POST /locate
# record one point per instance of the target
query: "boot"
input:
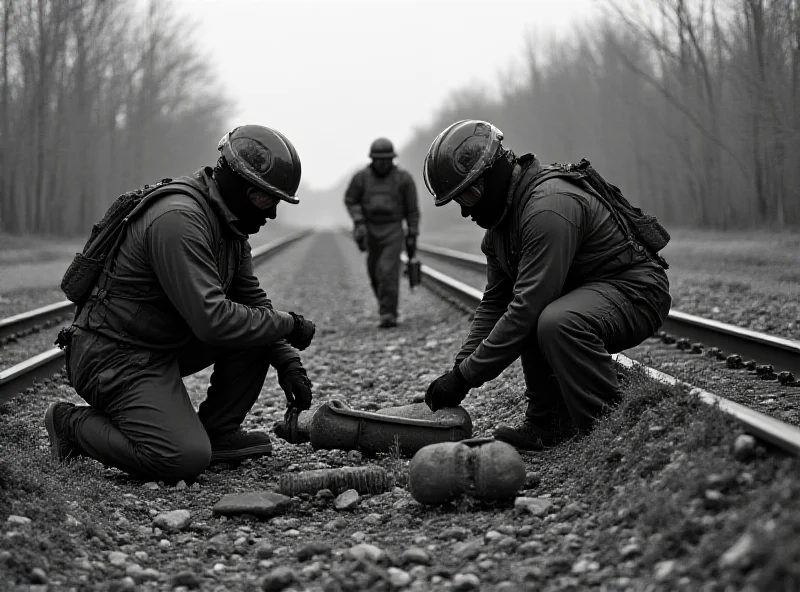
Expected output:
(239, 444)
(540, 429)
(62, 448)
(388, 321)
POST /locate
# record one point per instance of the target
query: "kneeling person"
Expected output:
(567, 283)
(180, 296)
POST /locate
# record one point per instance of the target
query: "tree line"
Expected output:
(691, 107)
(97, 97)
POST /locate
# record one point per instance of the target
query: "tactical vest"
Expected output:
(382, 202)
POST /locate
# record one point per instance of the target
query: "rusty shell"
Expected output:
(369, 479)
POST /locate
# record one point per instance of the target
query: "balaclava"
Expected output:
(382, 166)
(490, 209)
(233, 189)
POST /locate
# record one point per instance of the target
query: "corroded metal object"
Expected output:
(367, 479)
(398, 430)
(484, 468)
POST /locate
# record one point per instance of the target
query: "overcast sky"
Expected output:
(333, 74)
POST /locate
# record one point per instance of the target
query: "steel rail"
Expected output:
(782, 354)
(18, 378)
(25, 322)
(769, 429)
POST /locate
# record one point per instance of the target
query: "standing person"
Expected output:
(570, 279)
(379, 198)
(180, 296)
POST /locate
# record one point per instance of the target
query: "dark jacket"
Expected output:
(381, 200)
(554, 238)
(185, 271)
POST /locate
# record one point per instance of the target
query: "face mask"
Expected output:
(382, 166)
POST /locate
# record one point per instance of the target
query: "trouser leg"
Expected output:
(388, 272)
(236, 382)
(372, 262)
(577, 334)
(544, 399)
(139, 418)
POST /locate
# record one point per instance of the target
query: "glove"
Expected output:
(296, 385)
(302, 333)
(411, 245)
(360, 236)
(447, 391)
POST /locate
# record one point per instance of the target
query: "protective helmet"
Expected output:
(382, 148)
(265, 157)
(458, 156)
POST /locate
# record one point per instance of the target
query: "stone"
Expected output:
(398, 578)
(187, 579)
(457, 533)
(313, 548)
(38, 576)
(264, 551)
(582, 566)
(465, 582)
(18, 520)
(744, 448)
(416, 556)
(373, 519)
(366, 552)
(117, 558)
(536, 506)
(278, 579)
(152, 485)
(347, 500)
(506, 586)
(530, 548)
(630, 550)
(173, 521)
(664, 570)
(262, 504)
(467, 550)
(740, 554)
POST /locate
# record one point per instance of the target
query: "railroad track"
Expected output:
(760, 347)
(17, 379)
(22, 376)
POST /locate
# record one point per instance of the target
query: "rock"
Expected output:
(278, 579)
(398, 578)
(358, 536)
(71, 521)
(335, 524)
(455, 532)
(151, 485)
(347, 500)
(366, 552)
(325, 494)
(4, 556)
(117, 558)
(744, 448)
(313, 548)
(264, 551)
(38, 576)
(164, 544)
(506, 586)
(180, 485)
(740, 554)
(492, 535)
(630, 550)
(582, 566)
(467, 550)
(466, 582)
(530, 548)
(416, 555)
(123, 585)
(18, 520)
(262, 504)
(537, 506)
(354, 457)
(173, 521)
(373, 519)
(187, 579)
(664, 570)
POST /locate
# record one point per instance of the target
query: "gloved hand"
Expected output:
(295, 384)
(447, 391)
(302, 334)
(411, 245)
(360, 236)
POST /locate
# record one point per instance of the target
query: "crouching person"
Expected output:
(179, 296)
(573, 275)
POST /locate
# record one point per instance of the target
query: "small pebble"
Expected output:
(466, 582)
(398, 578)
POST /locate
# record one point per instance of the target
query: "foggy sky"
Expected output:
(334, 75)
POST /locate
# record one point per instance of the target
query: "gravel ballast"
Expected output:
(663, 495)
